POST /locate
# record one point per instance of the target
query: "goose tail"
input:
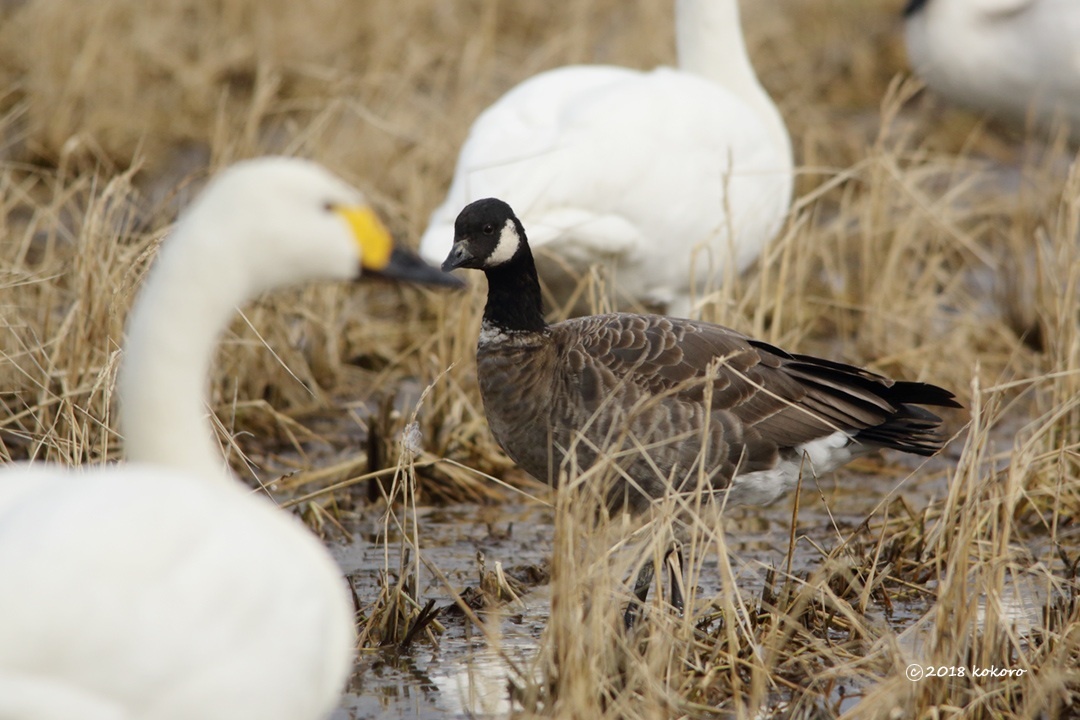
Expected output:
(912, 428)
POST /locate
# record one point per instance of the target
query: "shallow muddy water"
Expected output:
(463, 677)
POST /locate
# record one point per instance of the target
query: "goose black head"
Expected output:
(487, 235)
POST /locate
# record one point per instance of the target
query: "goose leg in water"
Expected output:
(673, 560)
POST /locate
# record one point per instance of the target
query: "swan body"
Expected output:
(164, 588)
(665, 177)
(135, 592)
(1017, 59)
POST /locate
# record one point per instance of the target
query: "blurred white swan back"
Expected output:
(1012, 58)
(647, 173)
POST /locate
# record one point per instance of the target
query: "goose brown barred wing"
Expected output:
(686, 393)
(662, 397)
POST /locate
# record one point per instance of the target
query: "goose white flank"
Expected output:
(164, 588)
(663, 178)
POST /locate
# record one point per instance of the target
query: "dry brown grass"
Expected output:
(924, 243)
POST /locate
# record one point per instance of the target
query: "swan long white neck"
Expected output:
(172, 335)
(710, 43)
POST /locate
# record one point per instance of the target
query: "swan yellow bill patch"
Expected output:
(374, 239)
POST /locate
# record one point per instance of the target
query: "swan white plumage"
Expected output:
(164, 588)
(1012, 58)
(638, 170)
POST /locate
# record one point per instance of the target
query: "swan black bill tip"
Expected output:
(407, 266)
(913, 7)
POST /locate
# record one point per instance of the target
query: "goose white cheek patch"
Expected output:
(508, 245)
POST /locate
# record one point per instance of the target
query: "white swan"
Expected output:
(1012, 58)
(636, 169)
(165, 589)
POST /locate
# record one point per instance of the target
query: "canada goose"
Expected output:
(665, 177)
(1012, 58)
(651, 390)
(164, 588)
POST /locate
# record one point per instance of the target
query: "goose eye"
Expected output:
(489, 229)
(328, 206)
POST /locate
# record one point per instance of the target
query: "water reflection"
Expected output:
(467, 675)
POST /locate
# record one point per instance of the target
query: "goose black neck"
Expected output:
(514, 303)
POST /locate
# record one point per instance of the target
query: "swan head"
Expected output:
(279, 221)
(258, 225)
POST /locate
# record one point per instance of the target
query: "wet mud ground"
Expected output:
(436, 682)
(463, 677)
